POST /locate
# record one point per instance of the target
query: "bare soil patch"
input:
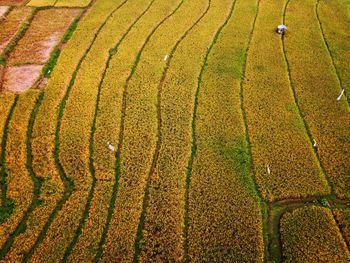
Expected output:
(21, 78)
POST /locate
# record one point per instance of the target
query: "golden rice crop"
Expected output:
(41, 2)
(12, 25)
(337, 37)
(6, 101)
(342, 217)
(130, 45)
(162, 235)
(278, 137)
(317, 88)
(139, 137)
(310, 234)
(73, 3)
(76, 129)
(45, 32)
(225, 220)
(43, 142)
(18, 181)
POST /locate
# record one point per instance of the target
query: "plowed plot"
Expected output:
(11, 25)
(13, 2)
(19, 79)
(45, 32)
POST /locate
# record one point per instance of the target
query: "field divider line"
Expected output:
(159, 132)
(263, 203)
(306, 126)
(121, 136)
(341, 232)
(194, 139)
(289, 205)
(14, 41)
(68, 183)
(341, 84)
(37, 182)
(7, 205)
(91, 145)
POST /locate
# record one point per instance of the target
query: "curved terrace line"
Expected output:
(159, 137)
(68, 184)
(91, 146)
(341, 84)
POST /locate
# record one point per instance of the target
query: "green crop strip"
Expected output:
(68, 184)
(37, 182)
(341, 83)
(92, 135)
(194, 139)
(7, 205)
(159, 133)
(306, 126)
(247, 139)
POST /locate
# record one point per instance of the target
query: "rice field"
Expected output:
(174, 131)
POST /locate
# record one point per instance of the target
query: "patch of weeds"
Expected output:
(52, 63)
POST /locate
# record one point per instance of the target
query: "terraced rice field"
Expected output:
(174, 131)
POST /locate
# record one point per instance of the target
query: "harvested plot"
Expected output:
(317, 87)
(60, 3)
(310, 234)
(13, 23)
(285, 163)
(43, 35)
(21, 78)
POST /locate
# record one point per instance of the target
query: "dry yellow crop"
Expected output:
(43, 142)
(310, 234)
(18, 181)
(284, 161)
(342, 217)
(317, 88)
(337, 37)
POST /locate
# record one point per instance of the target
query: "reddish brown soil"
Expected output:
(12, 2)
(22, 78)
(3, 10)
(44, 33)
(11, 24)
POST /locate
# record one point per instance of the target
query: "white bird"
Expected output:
(111, 147)
(268, 169)
(341, 94)
(166, 57)
(314, 143)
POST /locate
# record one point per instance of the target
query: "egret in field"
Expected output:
(111, 147)
(166, 57)
(341, 95)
